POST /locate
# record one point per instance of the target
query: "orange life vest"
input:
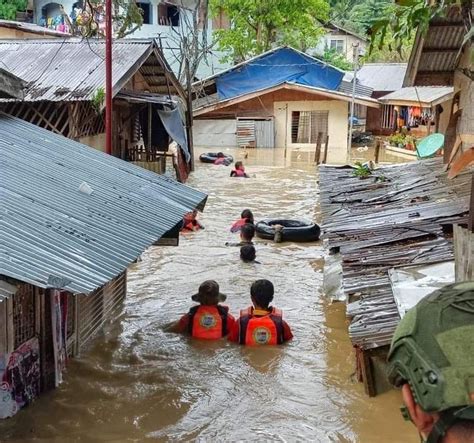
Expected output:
(209, 322)
(264, 330)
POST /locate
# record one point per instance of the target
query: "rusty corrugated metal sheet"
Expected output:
(377, 225)
(69, 69)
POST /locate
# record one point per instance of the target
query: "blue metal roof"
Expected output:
(49, 229)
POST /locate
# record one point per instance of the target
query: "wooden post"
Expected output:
(317, 153)
(326, 149)
(471, 209)
(367, 374)
(378, 144)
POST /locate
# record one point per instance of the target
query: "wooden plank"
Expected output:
(367, 374)
(317, 153)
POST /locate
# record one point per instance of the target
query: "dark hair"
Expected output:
(247, 214)
(262, 292)
(238, 165)
(220, 154)
(248, 253)
(247, 231)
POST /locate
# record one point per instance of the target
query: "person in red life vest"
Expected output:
(261, 324)
(245, 217)
(220, 160)
(239, 170)
(190, 222)
(209, 320)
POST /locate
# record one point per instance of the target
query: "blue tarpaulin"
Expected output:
(274, 68)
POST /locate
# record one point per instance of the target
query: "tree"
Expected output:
(409, 16)
(258, 25)
(188, 42)
(9, 8)
(359, 16)
(89, 21)
(336, 59)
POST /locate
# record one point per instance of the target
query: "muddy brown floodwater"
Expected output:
(138, 383)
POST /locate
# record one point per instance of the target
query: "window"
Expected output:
(388, 117)
(168, 15)
(305, 125)
(146, 12)
(24, 314)
(337, 45)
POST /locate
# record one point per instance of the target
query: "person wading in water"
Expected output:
(261, 324)
(209, 320)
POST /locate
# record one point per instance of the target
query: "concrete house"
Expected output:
(280, 99)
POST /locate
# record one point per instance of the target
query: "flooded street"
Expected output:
(138, 383)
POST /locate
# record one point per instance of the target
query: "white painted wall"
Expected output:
(215, 133)
(349, 40)
(337, 126)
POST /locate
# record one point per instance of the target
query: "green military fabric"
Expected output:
(433, 349)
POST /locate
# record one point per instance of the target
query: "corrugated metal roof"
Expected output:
(382, 76)
(69, 69)
(425, 96)
(361, 90)
(49, 228)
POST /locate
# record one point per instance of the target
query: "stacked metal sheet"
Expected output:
(400, 215)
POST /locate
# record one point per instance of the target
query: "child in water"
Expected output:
(247, 233)
(248, 254)
(190, 222)
(245, 217)
(209, 320)
(220, 160)
(261, 324)
(239, 170)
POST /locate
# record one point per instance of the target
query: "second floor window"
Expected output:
(337, 45)
(168, 15)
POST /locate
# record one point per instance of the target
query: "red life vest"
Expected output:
(208, 322)
(264, 330)
(237, 173)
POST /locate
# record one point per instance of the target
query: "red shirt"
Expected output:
(234, 333)
(183, 323)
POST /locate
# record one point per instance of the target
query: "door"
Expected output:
(264, 133)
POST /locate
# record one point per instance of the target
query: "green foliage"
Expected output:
(259, 25)
(402, 140)
(98, 99)
(405, 18)
(359, 15)
(9, 8)
(336, 59)
(361, 171)
(386, 51)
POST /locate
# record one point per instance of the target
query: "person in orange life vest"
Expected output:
(239, 170)
(190, 222)
(209, 320)
(261, 324)
(247, 233)
(220, 160)
(245, 217)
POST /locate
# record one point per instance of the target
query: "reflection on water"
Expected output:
(139, 383)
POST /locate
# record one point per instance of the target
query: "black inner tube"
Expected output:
(293, 230)
(210, 157)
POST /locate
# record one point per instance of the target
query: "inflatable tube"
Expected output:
(293, 230)
(210, 157)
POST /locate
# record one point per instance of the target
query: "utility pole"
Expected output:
(355, 49)
(108, 77)
(189, 96)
